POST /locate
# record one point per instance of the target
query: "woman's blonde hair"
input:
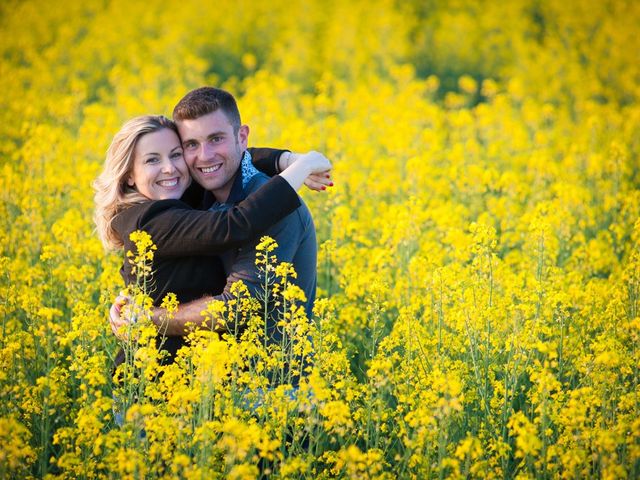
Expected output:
(113, 194)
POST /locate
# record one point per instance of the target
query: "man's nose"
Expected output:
(207, 150)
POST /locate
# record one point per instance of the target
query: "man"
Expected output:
(215, 142)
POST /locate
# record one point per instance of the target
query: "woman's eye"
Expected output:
(176, 155)
(151, 160)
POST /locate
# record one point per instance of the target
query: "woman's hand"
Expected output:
(319, 181)
(311, 168)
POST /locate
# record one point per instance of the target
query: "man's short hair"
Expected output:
(204, 100)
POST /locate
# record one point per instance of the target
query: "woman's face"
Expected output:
(159, 171)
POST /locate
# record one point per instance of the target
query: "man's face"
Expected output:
(213, 151)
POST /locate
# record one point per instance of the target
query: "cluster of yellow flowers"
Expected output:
(478, 312)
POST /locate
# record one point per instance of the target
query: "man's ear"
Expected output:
(243, 136)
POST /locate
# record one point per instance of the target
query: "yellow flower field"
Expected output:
(478, 313)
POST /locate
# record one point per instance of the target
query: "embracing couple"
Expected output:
(205, 199)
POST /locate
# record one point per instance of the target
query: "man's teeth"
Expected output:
(168, 183)
(211, 169)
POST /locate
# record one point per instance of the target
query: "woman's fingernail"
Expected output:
(331, 184)
(323, 187)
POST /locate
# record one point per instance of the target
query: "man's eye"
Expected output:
(216, 139)
(190, 145)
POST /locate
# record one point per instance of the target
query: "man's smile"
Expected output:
(210, 169)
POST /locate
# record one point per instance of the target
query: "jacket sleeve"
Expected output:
(178, 230)
(266, 159)
(287, 234)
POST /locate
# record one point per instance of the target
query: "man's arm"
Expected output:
(272, 162)
(268, 160)
(287, 235)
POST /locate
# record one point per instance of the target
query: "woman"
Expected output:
(144, 178)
